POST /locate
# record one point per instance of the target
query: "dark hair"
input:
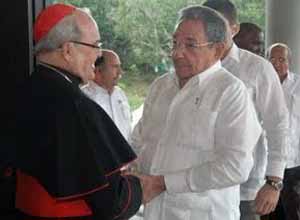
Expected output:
(99, 61)
(225, 7)
(214, 23)
(247, 27)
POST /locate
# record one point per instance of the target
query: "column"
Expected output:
(282, 25)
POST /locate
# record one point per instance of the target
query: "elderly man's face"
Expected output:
(191, 53)
(280, 61)
(109, 75)
(84, 55)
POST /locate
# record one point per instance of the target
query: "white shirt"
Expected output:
(115, 105)
(201, 138)
(263, 84)
(291, 89)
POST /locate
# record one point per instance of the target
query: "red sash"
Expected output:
(34, 200)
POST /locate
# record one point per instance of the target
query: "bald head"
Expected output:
(279, 55)
(107, 57)
(108, 70)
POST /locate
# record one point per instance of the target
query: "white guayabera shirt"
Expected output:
(291, 89)
(263, 85)
(201, 138)
(115, 105)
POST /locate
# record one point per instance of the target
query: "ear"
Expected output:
(98, 79)
(97, 71)
(219, 50)
(67, 51)
(235, 28)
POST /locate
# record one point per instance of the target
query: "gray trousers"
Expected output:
(247, 209)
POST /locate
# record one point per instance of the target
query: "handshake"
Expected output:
(152, 185)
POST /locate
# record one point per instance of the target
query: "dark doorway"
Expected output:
(16, 65)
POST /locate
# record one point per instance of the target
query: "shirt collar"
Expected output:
(93, 85)
(290, 75)
(202, 75)
(289, 78)
(233, 54)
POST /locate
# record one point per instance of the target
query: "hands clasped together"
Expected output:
(152, 185)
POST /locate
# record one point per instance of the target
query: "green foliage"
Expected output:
(251, 11)
(136, 87)
(102, 11)
(140, 32)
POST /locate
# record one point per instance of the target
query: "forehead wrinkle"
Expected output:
(188, 30)
(187, 37)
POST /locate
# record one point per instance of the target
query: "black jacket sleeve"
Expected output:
(120, 200)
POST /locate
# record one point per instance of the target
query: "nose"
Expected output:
(177, 53)
(276, 63)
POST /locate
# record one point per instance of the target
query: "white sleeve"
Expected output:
(272, 109)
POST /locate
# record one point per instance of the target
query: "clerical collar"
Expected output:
(65, 74)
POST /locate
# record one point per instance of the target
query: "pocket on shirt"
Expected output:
(203, 129)
(193, 144)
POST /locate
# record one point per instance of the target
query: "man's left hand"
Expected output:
(266, 200)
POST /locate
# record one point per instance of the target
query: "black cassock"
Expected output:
(71, 146)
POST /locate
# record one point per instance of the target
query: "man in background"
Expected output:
(105, 92)
(260, 193)
(251, 38)
(280, 56)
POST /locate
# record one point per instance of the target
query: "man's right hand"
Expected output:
(266, 200)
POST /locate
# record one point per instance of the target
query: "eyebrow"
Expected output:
(190, 39)
(186, 38)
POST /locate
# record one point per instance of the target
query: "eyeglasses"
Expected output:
(98, 45)
(280, 60)
(189, 46)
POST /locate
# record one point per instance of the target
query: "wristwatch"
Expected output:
(277, 185)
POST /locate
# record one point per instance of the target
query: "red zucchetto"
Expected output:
(49, 17)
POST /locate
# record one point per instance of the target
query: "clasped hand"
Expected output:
(152, 185)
